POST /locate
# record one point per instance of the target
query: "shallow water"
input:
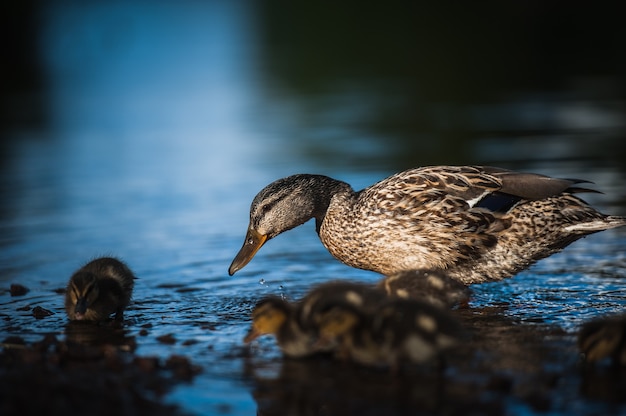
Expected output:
(154, 149)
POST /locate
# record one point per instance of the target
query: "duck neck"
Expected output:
(323, 191)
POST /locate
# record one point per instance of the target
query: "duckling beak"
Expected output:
(80, 308)
(253, 242)
(252, 335)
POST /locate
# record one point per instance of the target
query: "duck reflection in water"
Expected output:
(97, 336)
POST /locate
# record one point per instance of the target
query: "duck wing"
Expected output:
(532, 186)
(450, 214)
(466, 187)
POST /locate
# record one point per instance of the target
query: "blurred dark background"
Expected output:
(422, 81)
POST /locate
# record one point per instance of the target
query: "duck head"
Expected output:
(280, 206)
(83, 291)
(268, 316)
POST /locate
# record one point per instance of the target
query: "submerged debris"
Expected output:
(18, 290)
(39, 312)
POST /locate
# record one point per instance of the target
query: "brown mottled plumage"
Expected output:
(98, 289)
(477, 223)
(397, 331)
(359, 295)
(432, 286)
(604, 338)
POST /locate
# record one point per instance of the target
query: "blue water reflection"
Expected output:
(164, 120)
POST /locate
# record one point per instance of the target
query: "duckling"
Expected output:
(274, 315)
(362, 296)
(98, 289)
(347, 329)
(432, 286)
(478, 223)
(400, 330)
(416, 331)
(602, 338)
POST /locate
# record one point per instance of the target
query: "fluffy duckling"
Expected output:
(276, 316)
(479, 223)
(432, 286)
(604, 338)
(98, 289)
(401, 330)
(295, 325)
(361, 296)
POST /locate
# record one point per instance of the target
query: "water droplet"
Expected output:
(262, 281)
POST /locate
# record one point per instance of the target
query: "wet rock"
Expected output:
(147, 364)
(181, 367)
(39, 312)
(167, 339)
(18, 290)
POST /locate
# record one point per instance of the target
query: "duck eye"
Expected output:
(250, 241)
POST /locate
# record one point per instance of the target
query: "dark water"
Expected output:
(144, 131)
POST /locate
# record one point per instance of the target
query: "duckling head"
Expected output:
(268, 317)
(82, 292)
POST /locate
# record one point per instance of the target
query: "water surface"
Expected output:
(162, 123)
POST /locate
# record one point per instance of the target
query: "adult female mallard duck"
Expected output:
(98, 289)
(477, 223)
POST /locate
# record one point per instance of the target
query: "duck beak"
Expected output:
(253, 242)
(252, 335)
(80, 308)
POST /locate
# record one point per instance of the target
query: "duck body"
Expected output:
(477, 223)
(98, 289)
